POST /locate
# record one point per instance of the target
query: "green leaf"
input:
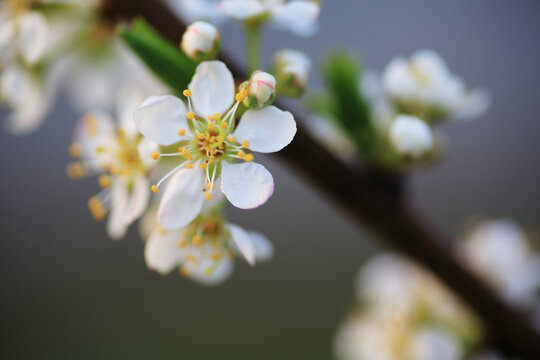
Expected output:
(350, 109)
(164, 59)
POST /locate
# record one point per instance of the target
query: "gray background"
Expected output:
(70, 292)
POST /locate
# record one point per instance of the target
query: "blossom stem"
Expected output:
(253, 32)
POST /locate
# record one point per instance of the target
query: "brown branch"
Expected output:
(376, 201)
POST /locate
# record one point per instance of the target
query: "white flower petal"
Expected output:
(146, 148)
(475, 104)
(298, 16)
(193, 10)
(161, 252)
(95, 130)
(243, 242)
(241, 9)
(220, 274)
(264, 250)
(267, 130)
(128, 99)
(32, 36)
(116, 227)
(183, 199)
(138, 200)
(160, 118)
(212, 88)
(247, 185)
(7, 33)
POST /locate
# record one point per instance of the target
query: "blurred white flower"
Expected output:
(499, 251)
(116, 152)
(382, 110)
(291, 68)
(297, 16)
(210, 144)
(193, 10)
(404, 314)
(410, 136)
(201, 41)
(423, 86)
(205, 249)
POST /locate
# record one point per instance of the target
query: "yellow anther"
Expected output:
(245, 144)
(231, 138)
(200, 136)
(245, 92)
(241, 154)
(217, 116)
(221, 147)
(184, 271)
(189, 166)
(238, 97)
(211, 159)
(155, 155)
(94, 202)
(210, 125)
(76, 170)
(114, 170)
(189, 157)
(207, 195)
(97, 210)
(190, 115)
(215, 256)
(203, 166)
(154, 189)
(162, 231)
(75, 150)
(184, 152)
(182, 132)
(208, 271)
(186, 93)
(182, 243)
(197, 240)
(249, 157)
(121, 133)
(191, 258)
(209, 186)
(104, 181)
(224, 125)
(91, 123)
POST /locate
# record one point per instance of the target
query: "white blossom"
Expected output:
(262, 89)
(297, 16)
(115, 151)
(201, 41)
(292, 71)
(210, 144)
(423, 86)
(410, 136)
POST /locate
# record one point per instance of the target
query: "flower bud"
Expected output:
(262, 90)
(292, 69)
(201, 41)
(410, 136)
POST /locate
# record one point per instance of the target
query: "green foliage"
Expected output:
(348, 106)
(164, 59)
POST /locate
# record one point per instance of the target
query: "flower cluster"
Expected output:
(405, 314)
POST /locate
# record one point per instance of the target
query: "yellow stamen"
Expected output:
(203, 166)
(224, 125)
(190, 115)
(189, 166)
(200, 136)
(76, 170)
(207, 195)
(182, 132)
(182, 244)
(186, 93)
(210, 125)
(241, 154)
(154, 189)
(184, 152)
(249, 157)
(215, 256)
(104, 181)
(231, 138)
(245, 144)
(197, 240)
(75, 150)
(155, 155)
(210, 186)
(184, 271)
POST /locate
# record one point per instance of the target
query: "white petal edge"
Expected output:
(241, 9)
(264, 250)
(219, 275)
(161, 251)
(128, 99)
(183, 199)
(138, 199)
(145, 149)
(212, 88)
(247, 185)
(160, 118)
(243, 242)
(267, 130)
(299, 17)
(475, 104)
(116, 227)
(32, 36)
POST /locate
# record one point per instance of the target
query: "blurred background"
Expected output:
(70, 292)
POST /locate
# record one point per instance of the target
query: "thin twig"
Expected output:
(376, 201)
